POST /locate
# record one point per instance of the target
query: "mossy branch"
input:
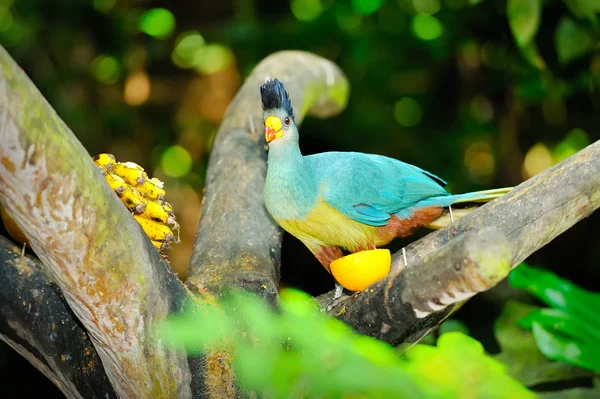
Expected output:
(530, 216)
(108, 271)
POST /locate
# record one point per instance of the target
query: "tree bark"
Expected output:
(105, 266)
(36, 322)
(399, 308)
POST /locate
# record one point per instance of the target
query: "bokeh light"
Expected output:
(480, 162)
(427, 27)
(366, 7)
(306, 10)
(6, 18)
(537, 159)
(157, 22)
(408, 112)
(187, 46)
(176, 161)
(105, 69)
(575, 140)
(426, 6)
(212, 58)
(137, 88)
(104, 6)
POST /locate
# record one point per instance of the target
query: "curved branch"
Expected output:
(238, 243)
(399, 307)
(110, 274)
(36, 322)
(530, 216)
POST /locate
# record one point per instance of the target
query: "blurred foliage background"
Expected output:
(484, 93)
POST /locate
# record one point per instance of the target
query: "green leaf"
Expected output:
(524, 19)
(584, 8)
(462, 355)
(558, 293)
(519, 351)
(572, 40)
(557, 320)
(557, 347)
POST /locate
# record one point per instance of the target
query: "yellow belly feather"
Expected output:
(326, 226)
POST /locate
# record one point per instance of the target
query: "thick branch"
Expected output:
(397, 307)
(238, 244)
(530, 216)
(37, 323)
(110, 274)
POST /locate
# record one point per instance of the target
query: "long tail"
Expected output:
(479, 196)
(476, 196)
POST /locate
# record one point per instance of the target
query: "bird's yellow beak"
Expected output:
(272, 128)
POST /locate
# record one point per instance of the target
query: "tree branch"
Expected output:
(397, 307)
(110, 274)
(530, 216)
(36, 322)
(238, 243)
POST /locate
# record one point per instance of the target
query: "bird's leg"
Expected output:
(451, 216)
(326, 255)
(339, 290)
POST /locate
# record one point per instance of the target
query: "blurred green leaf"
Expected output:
(458, 355)
(570, 332)
(524, 19)
(453, 325)
(157, 22)
(584, 8)
(557, 347)
(301, 352)
(573, 40)
(519, 351)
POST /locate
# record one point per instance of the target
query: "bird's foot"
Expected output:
(339, 290)
(338, 297)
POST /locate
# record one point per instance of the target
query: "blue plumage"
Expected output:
(350, 200)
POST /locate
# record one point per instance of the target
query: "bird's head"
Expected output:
(278, 113)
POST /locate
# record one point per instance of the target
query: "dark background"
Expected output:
(438, 83)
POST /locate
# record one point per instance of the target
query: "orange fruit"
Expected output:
(13, 229)
(357, 271)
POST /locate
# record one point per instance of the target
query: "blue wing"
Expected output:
(370, 188)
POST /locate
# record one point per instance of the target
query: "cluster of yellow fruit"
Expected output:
(144, 197)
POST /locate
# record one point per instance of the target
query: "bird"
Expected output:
(345, 201)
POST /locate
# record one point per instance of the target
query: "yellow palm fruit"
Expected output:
(116, 183)
(132, 173)
(133, 200)
(166, 206)
(160, 245)
(105, 161)
(152, 189)
(155, 211)
(155, 230)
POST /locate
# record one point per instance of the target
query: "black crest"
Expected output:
(273, 96)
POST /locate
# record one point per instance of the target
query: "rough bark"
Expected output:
(108, 271)
(530, 216)
(36, 322)
(398, 308)
(238, 243)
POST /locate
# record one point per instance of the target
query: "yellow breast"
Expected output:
(326, 226)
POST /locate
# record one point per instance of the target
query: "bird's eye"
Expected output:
(286, 120)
